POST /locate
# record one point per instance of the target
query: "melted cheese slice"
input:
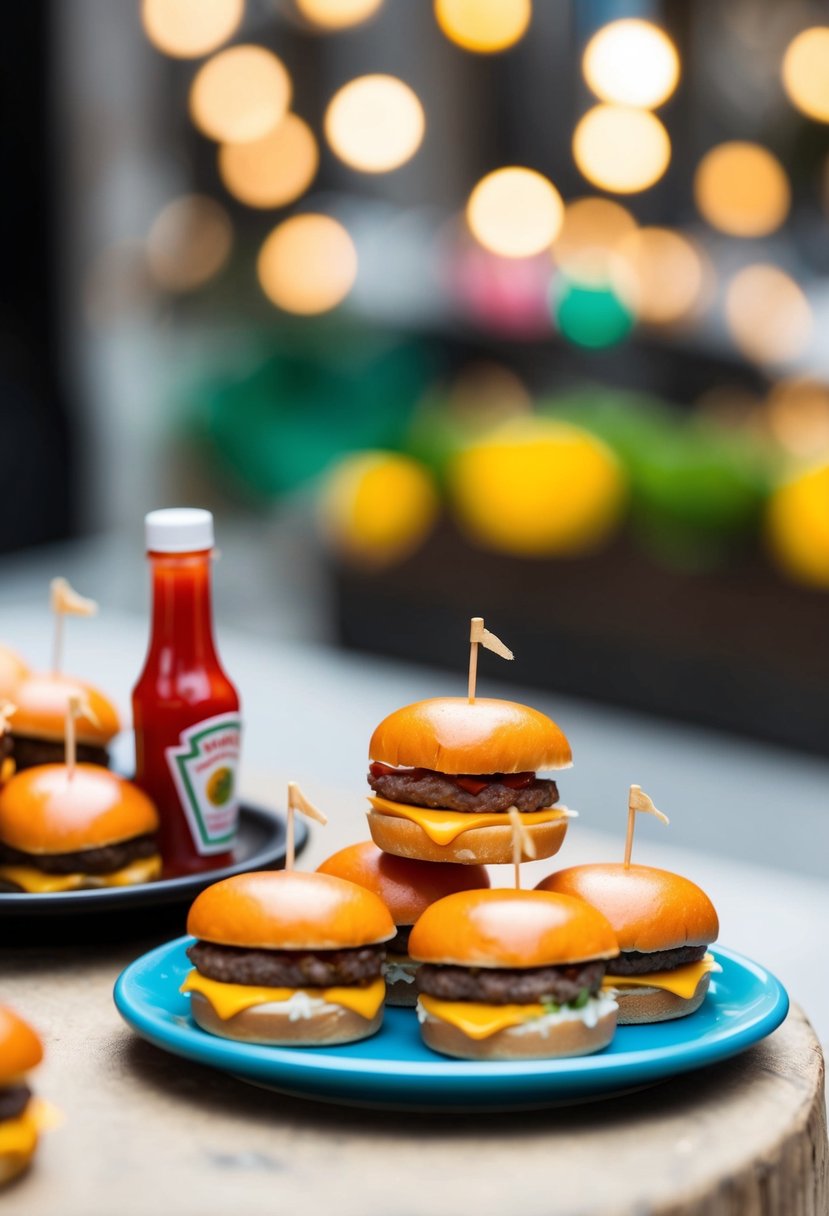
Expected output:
(682, 981)
(479, 1021)
(230, 999)
(36, 882)
(443, 827)
(19, 1135)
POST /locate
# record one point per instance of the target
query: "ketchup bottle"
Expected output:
(185, 709)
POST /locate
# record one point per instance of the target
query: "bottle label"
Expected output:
(204, 768)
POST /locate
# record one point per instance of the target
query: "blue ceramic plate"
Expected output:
(394, 1069)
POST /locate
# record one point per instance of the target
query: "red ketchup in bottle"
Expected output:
(185, 709)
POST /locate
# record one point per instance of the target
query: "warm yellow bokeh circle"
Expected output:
(742, 189)
(274, 170)
(797, 526)
(806, 72)
(377, 507)
(538, 488)
(308, 264)
(484, 26)
(620, 148)
(631, 62)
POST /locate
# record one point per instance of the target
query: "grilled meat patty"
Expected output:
(288, 968)
(104, 860)
(422, 787)
(13, 1101)
(634, 962)
(507, 986)
(29, 752)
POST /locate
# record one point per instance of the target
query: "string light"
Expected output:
(621, 149)
(484, 26)
(631, 62)
(806, 72)
(768, 315)
(274, 170)
(187, 29)
(515, 212)
(240, 94)
(337, 14)
(308, 264)
(375, 123)
(742, 189)
(188, 243)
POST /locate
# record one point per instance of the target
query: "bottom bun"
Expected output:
(570, 1038)
(267, 1024)
(637, 1005)
(491, 846)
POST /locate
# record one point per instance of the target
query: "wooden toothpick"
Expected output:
(76, 707)
(638, 800)
(523, 844)
(478, 636)
(298, 802)
(65, 601)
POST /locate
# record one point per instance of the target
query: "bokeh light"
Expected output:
(537, 488)
(620, 148)
(378, 507)
(768, 315)
(797, 526)
(337, 14)
(186, 29)
(631, 62)
(484, 26)
(515, 212)
(659, 273)
(589, 234)
(307, 264)
(240, 94)
(188, 243)
(742, 189)
(375, 123)
(274, 170)
(806, 72)
(797, 414)
(590, 314)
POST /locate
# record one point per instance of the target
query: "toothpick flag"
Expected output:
(77, 706)
(478, 636)
(65, 601)
(638, 800)
(298, 802)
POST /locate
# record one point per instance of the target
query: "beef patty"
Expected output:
(288, 968)
(13, 1101)
(104, 860)
(634, 962)
(29, 752)
(507, 986)
(436, 790)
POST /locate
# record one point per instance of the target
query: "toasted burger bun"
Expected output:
(450, 735)
(44, 810)
(649, 909)
(486, 846)
(520, 1042)
(509, 928)
(289, 910)
(12, 672)
(42, 700)
(406, 886)
(266, 1024)
(20, 1047)
(13, 1163)
(637, 1005)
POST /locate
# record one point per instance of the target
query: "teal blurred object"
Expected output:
(697, 490)
(297, 407)
(590, 316)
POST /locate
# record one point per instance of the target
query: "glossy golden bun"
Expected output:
(486, 846)
(12, 672)
(508, 928)
(449, 735)
(44, 810)
(649, 909)
(42, 700)
(20, 1047)
(14, 1161)
(265, 1024)
(406, 886)
(520, 1042)
(289, 910)
(638, 1005)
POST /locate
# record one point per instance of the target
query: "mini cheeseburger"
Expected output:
(513, 975)
(288, 958)
(445, 771)
(407, 888)
(664, 924)
(39, 724)
(64, 830)
(20, 1051)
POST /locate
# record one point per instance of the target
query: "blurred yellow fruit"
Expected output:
(377, 507)
(537, 488)
(798, 526)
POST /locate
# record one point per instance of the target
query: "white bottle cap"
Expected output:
(178, 530)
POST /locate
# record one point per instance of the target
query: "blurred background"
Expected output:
(474, 306)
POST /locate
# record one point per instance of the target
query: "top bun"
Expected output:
(452, 735)
(506, 928)
(407, 887)
(44, 810)
(12, 671)
(649, 909)
(289, 910)
(42, 701)
(20, 1047)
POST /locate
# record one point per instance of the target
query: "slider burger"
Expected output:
(664, 924)
(39, 724)
(65, 830)
(445, 772)
(288, 958)
(407, 888)
(20, 1050)
(513, 975)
